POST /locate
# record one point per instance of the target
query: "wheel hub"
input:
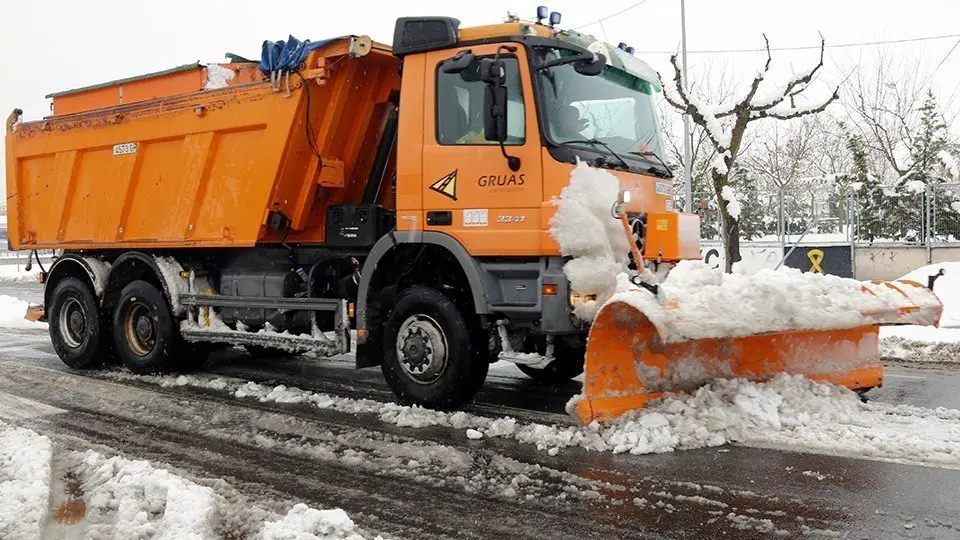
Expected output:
(144, 328)
(422, 349)
(73, 323)
(139, 329)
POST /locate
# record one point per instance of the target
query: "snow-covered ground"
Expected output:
(787, 412)
(88, 495)
(15, 273)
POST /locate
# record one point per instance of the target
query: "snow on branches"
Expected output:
(726, 123)
(780, 103)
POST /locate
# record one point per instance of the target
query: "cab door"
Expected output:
(469, 191)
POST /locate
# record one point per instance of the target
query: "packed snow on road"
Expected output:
(115, 497)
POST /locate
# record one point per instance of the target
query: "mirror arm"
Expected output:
(513, 162)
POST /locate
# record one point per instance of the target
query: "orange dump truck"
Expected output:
(403, 192)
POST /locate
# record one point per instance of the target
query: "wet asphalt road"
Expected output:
(497, 488)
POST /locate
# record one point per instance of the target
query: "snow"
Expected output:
(950, 163)
(473, 434)
(586, 230)
(176, 285)
(694, 302)
(217, 77)
(12, 311)
(789, 412)
(715, 129)
(125, 498)
(915, 186)
(15, 273)
(733, 205)
(25, 460)
(305, 523)
(719, 163)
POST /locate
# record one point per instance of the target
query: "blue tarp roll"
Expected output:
(288, 55)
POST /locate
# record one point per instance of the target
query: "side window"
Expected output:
(460, 107)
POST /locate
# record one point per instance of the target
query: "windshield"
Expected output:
(614, 107)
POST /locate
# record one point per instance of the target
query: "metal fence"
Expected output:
(927, 216)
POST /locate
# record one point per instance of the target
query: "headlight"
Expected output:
(577, 299)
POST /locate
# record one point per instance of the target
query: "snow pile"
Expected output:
(217, 76)
(132, 499)
(24, 482)
(694, 302)
(12, 311)
(586, 230)
(733, 205)
(305, 523)
(789, 412)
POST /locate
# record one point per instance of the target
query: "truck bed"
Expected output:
(203, 168)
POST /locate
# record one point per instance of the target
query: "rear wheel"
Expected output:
(145, 332)
(428, 355)
(567, 364)
(75, 325)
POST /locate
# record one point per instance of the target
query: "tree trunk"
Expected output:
(730, 227)
(731, 242)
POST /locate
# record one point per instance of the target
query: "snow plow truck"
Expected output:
(345, 193)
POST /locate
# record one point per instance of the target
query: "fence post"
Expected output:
(851, 232)
(781, 225)
(928, 200)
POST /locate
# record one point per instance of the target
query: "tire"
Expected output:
(438, 367)
(267, 353)
(76, 327)
(568, 362)
(144, 331)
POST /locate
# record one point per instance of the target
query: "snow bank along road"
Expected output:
(329, 438)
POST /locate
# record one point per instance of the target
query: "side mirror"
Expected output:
(494, 74)
(592, 67)
(495, 113)
(458, 63)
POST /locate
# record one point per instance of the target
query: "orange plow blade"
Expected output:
(631, 360)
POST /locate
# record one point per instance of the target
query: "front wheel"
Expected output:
(145, 332)
(429, 358)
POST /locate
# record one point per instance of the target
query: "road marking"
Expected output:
(14, 408)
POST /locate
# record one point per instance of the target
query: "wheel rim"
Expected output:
(73, 323)
(422, 349)
(140, 328)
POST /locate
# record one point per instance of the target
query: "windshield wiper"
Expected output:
(598, 142)
(647, 154)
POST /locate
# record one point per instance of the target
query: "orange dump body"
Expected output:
(189, 167)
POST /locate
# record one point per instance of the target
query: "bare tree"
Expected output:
(726, 124)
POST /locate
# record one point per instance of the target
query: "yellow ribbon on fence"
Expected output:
(815, 256)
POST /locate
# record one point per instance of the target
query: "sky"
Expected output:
(53, 45)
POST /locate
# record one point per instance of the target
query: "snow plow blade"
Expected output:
(631, 360)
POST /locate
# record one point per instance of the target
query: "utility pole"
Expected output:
(687, 166)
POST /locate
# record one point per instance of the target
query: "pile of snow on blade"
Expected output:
(697, 302)
(586, 230)
(789, 412)
(24, 482)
